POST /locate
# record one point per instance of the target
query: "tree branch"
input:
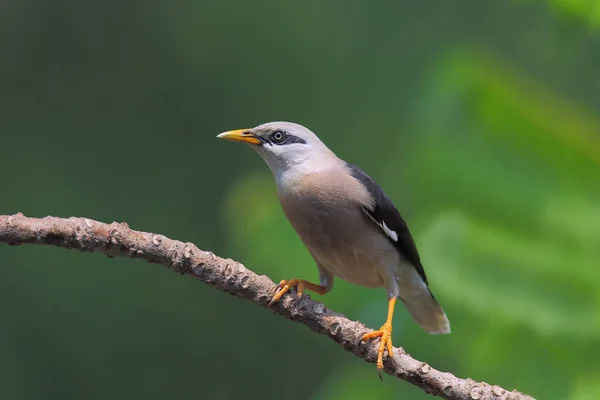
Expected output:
(117, 239)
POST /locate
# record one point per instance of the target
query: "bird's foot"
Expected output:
(284, 287)
(385, 333)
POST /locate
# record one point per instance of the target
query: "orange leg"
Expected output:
(385, 333)
(300, 284)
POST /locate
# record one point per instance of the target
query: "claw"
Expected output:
(284, 287)
(385, 333)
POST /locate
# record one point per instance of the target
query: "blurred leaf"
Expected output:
(586, 11)
(519, 279)
(502, 139)
(507, 175)
(587, 387)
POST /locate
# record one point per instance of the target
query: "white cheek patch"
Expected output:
(392, 234)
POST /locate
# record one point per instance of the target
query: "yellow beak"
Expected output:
(240, 135)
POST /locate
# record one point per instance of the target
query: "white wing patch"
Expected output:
(392, 234)
(388, 232)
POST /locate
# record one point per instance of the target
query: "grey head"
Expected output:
(289, 149)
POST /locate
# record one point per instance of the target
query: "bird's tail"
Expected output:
(421, 304)
(427, 312)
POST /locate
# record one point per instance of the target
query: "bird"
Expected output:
(347, 223)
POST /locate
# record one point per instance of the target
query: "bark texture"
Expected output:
(117, 239)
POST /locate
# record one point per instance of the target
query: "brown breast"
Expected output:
(325, 210)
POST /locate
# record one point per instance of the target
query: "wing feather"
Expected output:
(388, 218)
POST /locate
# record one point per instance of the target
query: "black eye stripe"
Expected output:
(295, 139)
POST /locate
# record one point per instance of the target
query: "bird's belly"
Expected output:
(352, 270)
(340, 242)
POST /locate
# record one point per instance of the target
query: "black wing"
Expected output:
(387, 217)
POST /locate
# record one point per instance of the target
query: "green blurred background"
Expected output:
(476, 116)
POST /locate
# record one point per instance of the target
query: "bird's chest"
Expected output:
(320, 224)
(336, 234)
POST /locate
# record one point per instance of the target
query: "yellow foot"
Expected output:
(385, 333)
(284, 286)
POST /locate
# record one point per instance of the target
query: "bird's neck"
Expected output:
(288, 178)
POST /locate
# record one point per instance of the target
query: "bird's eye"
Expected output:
(278, 136)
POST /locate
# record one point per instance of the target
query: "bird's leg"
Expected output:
(300, 284)
(385, 333)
